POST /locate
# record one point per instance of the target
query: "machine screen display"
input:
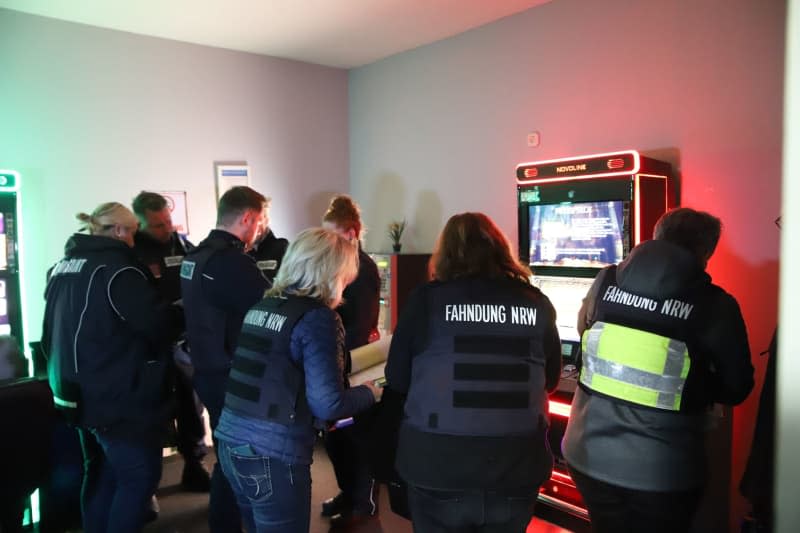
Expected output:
(584, 234)
(566, 294)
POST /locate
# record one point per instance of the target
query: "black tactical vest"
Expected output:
(264, 381)
(482, 372)
(205, 324)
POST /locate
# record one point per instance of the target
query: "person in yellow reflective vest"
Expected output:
(660, 344)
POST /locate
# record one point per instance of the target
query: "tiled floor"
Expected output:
(183, 512)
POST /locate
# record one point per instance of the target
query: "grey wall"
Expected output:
(90, 115)
(440, 129)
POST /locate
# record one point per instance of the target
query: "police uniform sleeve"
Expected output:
(724, 338)
(233, 282)
(410, 337)
(551, 344)
(136, 301)
(360, 310)
(315, 343)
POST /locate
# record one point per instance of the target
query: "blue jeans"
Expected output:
(273, 496)
(120, 476)
(439, 511)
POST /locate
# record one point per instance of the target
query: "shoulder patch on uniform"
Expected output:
(267, 264)
(187, 269)
(173, 260)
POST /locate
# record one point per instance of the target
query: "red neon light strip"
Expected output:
(573, 178)
(564, 477)
(560, 408)
(634, 153)
(637, 210)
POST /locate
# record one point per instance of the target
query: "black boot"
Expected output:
(336, 505)
(195, 477)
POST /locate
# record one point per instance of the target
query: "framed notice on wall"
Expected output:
(176, 203)
(231, 175)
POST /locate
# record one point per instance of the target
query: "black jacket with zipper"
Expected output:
(106, 335)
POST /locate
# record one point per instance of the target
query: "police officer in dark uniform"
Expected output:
(474, 355)
(162, 249)
(348, 447)
(268, 250)
(107, 334)
(660, 345)
(219, 283)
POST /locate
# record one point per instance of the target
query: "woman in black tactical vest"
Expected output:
(286, 382)
(107, 335)
(472, 359)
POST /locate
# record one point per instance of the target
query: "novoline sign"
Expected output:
(612, 164)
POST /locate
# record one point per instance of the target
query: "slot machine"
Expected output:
(11, 317)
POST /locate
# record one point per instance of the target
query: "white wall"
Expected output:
(90, 115)
(788, 393)
(440, 129)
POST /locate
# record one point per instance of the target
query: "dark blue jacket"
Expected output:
(359, 311)
(670, 447)
(219, 283)
(317, 346)
(164, 261)
(268, 253)
(106, 334)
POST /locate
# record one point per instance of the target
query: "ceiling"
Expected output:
(337, 33)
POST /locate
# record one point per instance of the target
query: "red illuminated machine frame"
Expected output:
(645, 188)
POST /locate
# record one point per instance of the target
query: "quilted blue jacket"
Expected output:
(316, 342)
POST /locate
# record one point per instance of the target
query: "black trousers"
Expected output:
(470, 511)
(614, 509)
(223, 510)
(191, 429)
(348, 450)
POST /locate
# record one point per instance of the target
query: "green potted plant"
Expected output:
(395, 234)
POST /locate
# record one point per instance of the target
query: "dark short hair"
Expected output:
(148, 201)
(236, 201)
(697, 231)
(472, 245)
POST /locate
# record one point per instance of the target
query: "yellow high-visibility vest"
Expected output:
(633, 365)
